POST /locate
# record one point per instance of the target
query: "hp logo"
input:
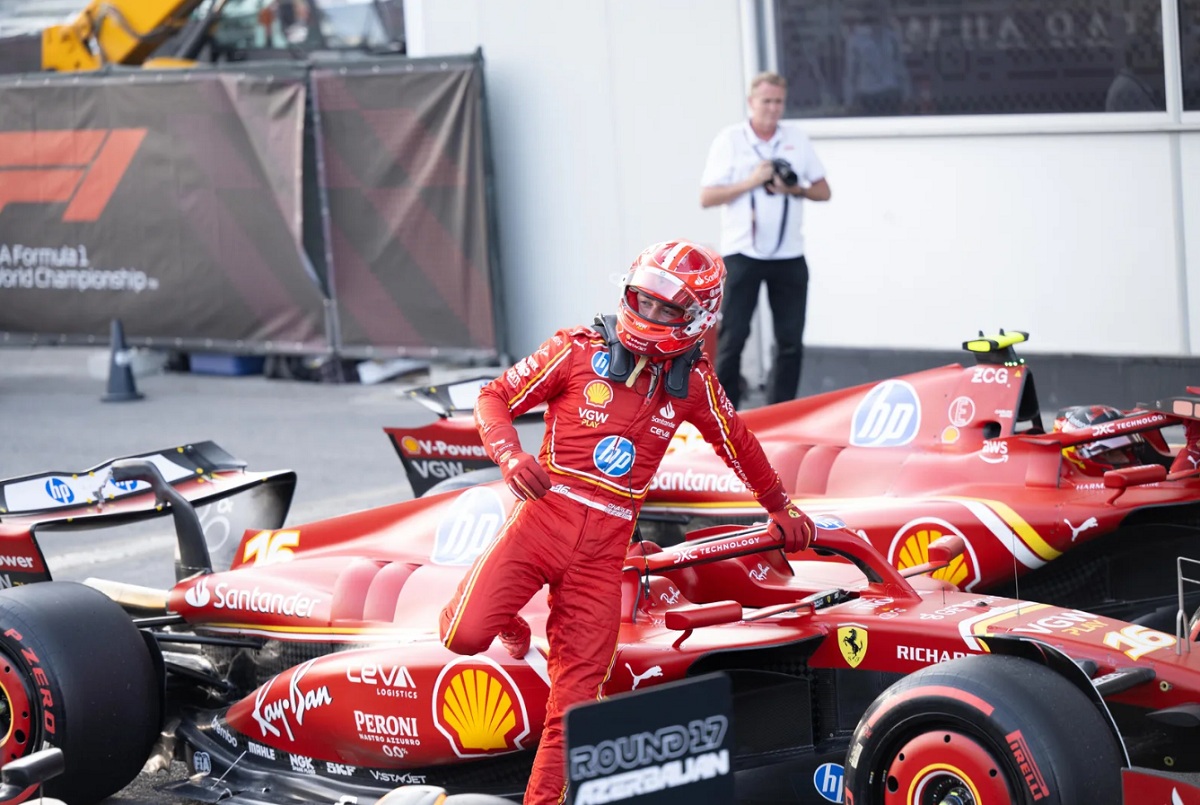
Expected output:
(59, 490)
(600, 363)
(889, 416)
(614, 456)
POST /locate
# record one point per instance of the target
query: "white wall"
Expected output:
(601, 116)
(929, 239)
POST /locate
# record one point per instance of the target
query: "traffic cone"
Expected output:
(120, 369)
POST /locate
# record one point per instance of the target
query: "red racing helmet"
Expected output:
(1102, 455)
(676, 272)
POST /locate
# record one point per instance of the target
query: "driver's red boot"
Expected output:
(515, 637)
(1188, 459)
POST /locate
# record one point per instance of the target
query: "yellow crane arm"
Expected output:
(113, 32)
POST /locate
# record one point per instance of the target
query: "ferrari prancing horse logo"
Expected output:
(852, 640)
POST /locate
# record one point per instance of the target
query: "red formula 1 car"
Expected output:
(959, 450)
(310, 671)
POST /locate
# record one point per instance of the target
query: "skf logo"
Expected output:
(852, 640)
(597, 393)
(80, 168)
(479, 708)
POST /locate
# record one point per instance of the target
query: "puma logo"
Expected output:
(637, 678)
(1090, 522)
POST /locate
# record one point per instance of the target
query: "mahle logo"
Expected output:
(78, 167)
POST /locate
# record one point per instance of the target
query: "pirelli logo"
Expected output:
(80, 168)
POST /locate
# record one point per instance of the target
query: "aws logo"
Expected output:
(910, 548)
(78, 167)
(479, 708)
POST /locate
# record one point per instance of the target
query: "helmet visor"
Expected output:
(662, 285)
(1097, 448)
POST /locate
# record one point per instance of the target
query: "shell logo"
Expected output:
(910, 548)
(598, 393)
(479, 708)
(410, 445)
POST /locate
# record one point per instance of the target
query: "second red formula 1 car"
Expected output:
(961, 450)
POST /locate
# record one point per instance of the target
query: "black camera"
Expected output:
(784, 173)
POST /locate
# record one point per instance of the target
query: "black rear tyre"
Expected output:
(984, 729)
(75, 673)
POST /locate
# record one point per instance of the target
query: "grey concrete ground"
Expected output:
(52, 418)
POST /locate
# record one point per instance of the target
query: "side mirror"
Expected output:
(1135, 476)
(941, 551)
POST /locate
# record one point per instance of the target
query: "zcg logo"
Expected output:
(889, 416)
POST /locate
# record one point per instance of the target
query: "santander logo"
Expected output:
(197, 596)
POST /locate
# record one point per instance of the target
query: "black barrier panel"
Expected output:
(667, 744)
(401, 154)
(170, 200)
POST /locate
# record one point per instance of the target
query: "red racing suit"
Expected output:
(604, 442)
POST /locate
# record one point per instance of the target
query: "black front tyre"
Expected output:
(75, 673)
(983, 729)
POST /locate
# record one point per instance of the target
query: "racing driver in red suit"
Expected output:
(615, 395)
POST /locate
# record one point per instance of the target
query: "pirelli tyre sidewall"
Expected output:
(1002, 728)
(76, 674)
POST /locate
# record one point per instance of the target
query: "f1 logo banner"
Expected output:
(81, 168)
(671, 743)
(169, 200)
(410, 241)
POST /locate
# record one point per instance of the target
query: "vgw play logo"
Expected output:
(889, 416)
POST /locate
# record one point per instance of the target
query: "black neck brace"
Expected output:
(621, 361)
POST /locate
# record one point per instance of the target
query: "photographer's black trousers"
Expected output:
(787, 293)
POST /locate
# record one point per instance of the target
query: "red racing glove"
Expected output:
(524, 476)
(792, 527)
